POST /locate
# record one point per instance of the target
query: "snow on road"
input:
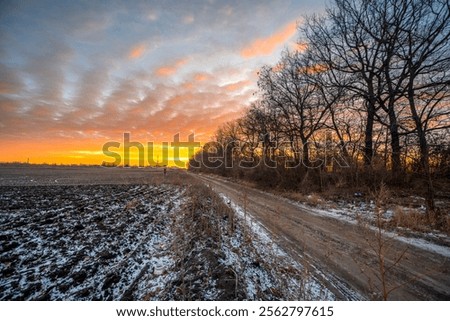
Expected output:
(300, 284)
(354, 214)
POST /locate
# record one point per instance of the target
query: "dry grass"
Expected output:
(379, 272)
(199, 229)
(298, 197)
(409, 218)
(313, 199)
(418, 221)
(207, 230)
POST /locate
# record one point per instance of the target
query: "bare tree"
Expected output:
(339, 42)
(296, 98)
(425, 50)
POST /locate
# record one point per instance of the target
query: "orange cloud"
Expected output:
(200, 77)
(278, 67)
(7, 88)
(265, 46)
(300, 46)
(237, 85)
(167, 71)
(314, 69)
(137, 51)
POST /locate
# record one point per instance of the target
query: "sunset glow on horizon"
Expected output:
(75, 75)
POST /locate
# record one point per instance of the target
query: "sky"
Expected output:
(77, 74)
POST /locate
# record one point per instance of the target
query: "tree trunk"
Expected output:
(305, 154)
(424, 154)
(395, 142)
(368, 139)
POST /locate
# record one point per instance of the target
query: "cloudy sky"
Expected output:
(76, 74)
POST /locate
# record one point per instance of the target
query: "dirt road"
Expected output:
(341, 254)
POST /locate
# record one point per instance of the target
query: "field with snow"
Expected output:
(109, 234)
(85, 242)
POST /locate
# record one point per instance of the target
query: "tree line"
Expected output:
(364, 98)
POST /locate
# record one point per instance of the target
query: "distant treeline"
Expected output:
(365, 98)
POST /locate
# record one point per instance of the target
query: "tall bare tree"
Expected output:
(296, 98)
